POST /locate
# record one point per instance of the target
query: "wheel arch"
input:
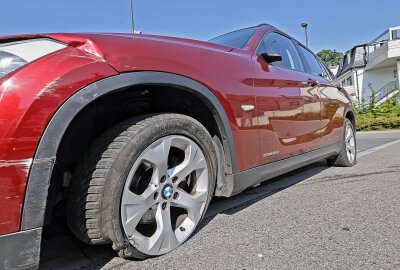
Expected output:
(39, 179)
(351, 116)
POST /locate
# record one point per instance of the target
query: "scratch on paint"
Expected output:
(49, 88)
(84, 57)
(26, 163)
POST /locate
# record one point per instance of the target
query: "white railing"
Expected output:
(383, 94)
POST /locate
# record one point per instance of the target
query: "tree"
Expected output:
(330, 57)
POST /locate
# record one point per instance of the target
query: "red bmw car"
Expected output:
(128, 137)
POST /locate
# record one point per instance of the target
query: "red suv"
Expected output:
(128, 137)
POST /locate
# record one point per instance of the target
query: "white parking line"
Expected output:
(380, 147)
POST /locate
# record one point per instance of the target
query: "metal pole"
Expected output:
(132, 22)
(305, 29)
(305, 25)
(398, 74)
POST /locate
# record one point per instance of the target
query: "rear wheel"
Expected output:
(348, 154)
(144, 185)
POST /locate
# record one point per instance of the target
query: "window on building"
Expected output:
(349, 81)
(396, 34)
(348, 56)
(344, 83)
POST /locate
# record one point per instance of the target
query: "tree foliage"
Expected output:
(330, 57)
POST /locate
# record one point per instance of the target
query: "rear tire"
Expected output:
(348, 154)
(125, 166)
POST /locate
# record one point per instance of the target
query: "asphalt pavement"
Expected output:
(317, 217)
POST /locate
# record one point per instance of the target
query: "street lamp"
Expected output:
(305, 25)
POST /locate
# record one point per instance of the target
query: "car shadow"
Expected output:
(61, 250)
(252, 195)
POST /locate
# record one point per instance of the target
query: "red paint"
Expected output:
(31, 95)
(25, 110)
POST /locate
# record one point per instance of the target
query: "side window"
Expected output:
(274, 43)
(313, 64)
(326, 73)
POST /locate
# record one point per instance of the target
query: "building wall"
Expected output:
(378, 78)
(352, 89)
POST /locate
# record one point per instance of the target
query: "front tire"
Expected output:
(348, 154)
(144, 185)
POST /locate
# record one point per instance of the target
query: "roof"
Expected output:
(358, 58)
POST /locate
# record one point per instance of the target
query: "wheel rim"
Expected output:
(164, 195)
(350, 143)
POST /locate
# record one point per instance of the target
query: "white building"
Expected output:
(334, 69)
(373, 66)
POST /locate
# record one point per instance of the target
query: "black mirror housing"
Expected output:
(270, 58)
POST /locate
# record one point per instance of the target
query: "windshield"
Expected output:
(236, 39)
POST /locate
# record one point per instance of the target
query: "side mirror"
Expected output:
(270, 58)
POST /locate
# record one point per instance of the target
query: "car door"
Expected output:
(288, 105)
(332, 100)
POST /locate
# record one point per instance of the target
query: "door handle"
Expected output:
(312, 82)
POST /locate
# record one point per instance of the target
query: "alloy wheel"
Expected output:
(350, 143)
(165, 195)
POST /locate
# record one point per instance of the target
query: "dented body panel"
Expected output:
(28, 99)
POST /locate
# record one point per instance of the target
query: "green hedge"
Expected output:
(370, 122)
(384, 116)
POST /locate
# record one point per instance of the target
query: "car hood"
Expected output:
(94, 42)
(130, 52)
(111, 45)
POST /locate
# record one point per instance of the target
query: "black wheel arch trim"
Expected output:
(45, 157)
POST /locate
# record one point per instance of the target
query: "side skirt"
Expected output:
(254, 176)
(20, 250)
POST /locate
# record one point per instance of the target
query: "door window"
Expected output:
(274, 43)
(312, 62)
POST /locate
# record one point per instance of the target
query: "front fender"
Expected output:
(29, 97)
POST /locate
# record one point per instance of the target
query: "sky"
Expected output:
(336, 24)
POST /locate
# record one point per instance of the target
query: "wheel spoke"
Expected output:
(134, 206)
(192, 203)
(194, 160)
(164, 238)
(352, 142)
(158, 156)
(348, 147)
(349, 133)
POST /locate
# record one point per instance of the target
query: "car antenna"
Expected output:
(132, 20)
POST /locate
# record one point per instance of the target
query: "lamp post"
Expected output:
(305, 25)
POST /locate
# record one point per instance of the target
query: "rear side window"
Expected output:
(236, 39)
(312, 62)
(274, 43)
(327, 74)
